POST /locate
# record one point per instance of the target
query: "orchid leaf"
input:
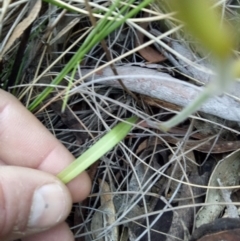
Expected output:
(99, 149)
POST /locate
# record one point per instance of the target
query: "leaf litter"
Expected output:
(151, 186)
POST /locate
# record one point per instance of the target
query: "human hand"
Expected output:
(33, 202)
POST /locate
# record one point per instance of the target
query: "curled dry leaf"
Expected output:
(228, 171)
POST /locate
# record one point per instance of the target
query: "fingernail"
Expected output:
(49, 206)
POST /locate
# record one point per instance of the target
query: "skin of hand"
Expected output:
(33, 202)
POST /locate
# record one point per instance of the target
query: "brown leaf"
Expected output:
(204, 143)
(160, 103)
(226, 229)
(148, 53)
(105, 216)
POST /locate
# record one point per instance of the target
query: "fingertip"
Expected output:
(30, 201)
(51, 203)
(34, 146)
(80, 187)
(60, 232)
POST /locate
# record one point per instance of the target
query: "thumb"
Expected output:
(30, 201)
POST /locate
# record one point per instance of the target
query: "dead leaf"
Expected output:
(228, 171)
(205, 144)
(160, 103)
(148, 53)
(17, 32)
(226, 229)
(104, 216)
(72, 122)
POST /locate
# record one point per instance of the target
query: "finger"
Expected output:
(31, 201)
(26, 142)
(59, 233)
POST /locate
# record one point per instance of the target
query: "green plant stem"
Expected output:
(224, 78)
(187, 111)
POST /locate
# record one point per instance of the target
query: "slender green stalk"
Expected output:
(103, 29)
(187, 111)
(205, 24)
(70, 83)
(100, 148)
(224, 78)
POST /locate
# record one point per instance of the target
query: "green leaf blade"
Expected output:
(100, 148)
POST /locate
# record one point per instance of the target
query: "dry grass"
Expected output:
(146, 174)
